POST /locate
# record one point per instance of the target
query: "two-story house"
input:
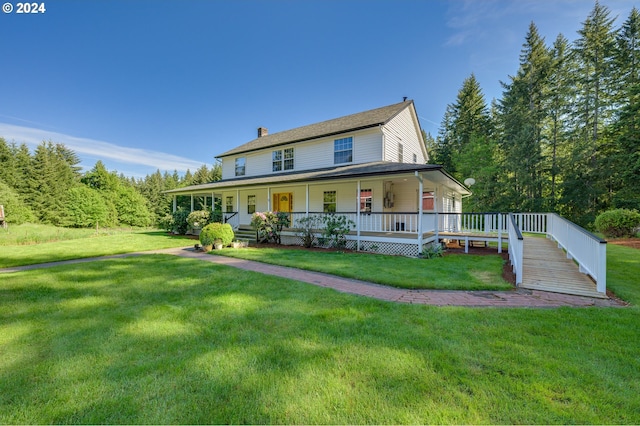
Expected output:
(370, 166)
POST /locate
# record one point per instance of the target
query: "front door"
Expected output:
(283, 202)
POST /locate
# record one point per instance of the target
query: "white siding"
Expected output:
(404, 129)
(308, 155)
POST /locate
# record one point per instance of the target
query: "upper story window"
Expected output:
(415, 158)
(400, 153)
(240, 166)
(288, 159)
(282, 160)
(343, 150)
(276, 161)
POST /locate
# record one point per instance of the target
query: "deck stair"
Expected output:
(546, 267)
(246, 234)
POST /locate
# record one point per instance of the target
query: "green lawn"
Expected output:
(459, 272)
(65, 244)
(160, 339)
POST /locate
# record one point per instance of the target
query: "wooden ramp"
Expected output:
(546, 267)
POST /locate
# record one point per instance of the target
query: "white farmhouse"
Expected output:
(370, 166)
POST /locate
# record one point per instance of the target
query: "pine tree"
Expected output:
(523, 116)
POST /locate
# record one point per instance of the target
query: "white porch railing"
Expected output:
(516, 247)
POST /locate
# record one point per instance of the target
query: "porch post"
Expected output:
(175, 203)
(213, 201)
(191, 202)
(307, 201)
(358, 216)
(238, 202)
(268, 198)
(420, 210)
(499, 232)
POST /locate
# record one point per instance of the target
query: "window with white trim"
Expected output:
(282, 160)
(366, 199)
(343, 150)
(251, 204)
(400, 153)
(229, 204)
(240, 166)
(329, 202)
(415, 158)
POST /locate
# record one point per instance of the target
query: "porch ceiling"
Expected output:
(386, 170)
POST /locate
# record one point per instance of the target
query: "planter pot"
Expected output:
(218, 246)
(237, 244)
(208, 247)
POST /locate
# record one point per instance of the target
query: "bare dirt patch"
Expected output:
(627, 242)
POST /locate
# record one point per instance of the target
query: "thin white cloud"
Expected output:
(99, 149)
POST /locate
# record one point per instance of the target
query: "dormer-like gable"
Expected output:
(374, 135)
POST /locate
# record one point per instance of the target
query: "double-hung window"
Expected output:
(329, 202)
(282, 160)
(343, 150)
(400, 153)
(229, 204)
(366, 199)
(276, 161)
(251, 204)
(240, 166)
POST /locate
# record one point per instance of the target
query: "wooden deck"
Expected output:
(547, 268)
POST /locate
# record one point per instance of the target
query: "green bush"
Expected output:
(15, 209)
(216, 231)
(180, 225)
(198, 219)
(618, 223)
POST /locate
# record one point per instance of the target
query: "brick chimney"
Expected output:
(262, 131)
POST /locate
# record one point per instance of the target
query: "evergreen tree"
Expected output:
(523, 115)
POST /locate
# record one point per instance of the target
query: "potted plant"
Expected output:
(221, 233)
(217, 244)
(207, 238)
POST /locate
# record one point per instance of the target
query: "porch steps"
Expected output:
(546, 267)
(246, 234)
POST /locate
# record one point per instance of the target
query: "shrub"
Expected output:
(618, 223)
(216, 231)
(335, 229)
(180, 225)
(307, 227)
(198, 219)
(268, 226)
(15, 209)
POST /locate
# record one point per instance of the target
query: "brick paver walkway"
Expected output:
(514, 298)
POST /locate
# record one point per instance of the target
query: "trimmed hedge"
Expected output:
(216, 231)
(618, 223)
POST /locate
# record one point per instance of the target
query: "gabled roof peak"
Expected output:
(348, 123)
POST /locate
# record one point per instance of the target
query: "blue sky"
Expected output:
(170, 84)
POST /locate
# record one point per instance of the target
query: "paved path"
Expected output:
(515, 298)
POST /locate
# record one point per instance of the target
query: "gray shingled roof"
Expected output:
(361, 120)
(379, 168)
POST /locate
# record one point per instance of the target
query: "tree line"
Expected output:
(48, 186)
(564, 136)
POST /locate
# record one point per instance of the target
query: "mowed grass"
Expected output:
(159, 339)
(65, 244)
(454, 272)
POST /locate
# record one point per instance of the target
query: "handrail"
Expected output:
(516, 247)
(588, 250)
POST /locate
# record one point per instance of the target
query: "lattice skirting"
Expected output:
(409, 249)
